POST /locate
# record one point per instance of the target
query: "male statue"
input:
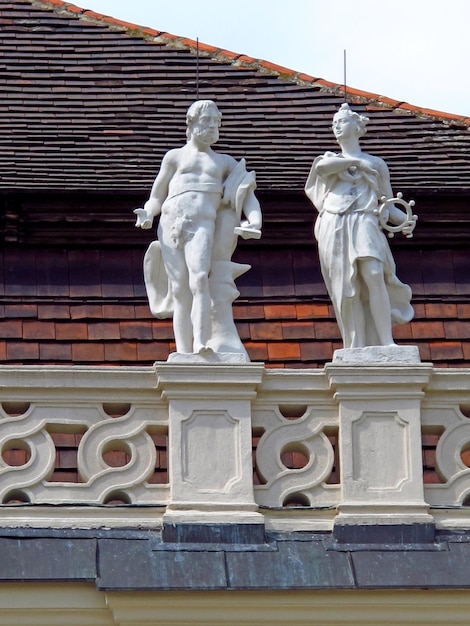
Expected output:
(200, 195)
(356, 261)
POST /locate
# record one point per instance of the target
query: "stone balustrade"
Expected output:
(291, 449)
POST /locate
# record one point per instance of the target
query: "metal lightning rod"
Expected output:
(344, 74)
(197, 68)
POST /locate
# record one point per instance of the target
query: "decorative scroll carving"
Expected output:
(30, 482)
(307, 485)
(447, 414)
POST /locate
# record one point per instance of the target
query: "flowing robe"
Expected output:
(347, 230)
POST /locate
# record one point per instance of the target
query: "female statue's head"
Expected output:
(345, 113)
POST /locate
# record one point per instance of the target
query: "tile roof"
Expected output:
(240, 60)
(92, 103)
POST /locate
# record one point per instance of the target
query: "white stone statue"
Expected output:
(351, 191)
(200, 196)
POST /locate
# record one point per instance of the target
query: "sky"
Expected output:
(416, 51)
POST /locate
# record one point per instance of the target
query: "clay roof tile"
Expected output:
(241, 60)
(92, 102)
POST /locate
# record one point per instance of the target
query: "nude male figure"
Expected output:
(187, 193)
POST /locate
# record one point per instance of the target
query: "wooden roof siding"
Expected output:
(88, 307)
(92, 103)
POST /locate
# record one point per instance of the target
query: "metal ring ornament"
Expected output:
(382, 214)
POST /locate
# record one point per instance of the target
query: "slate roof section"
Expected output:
(91, 103)
(138, 560)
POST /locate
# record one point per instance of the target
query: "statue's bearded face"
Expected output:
(206, 127)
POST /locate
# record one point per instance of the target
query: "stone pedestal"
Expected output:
(210, 443)
(380, 445)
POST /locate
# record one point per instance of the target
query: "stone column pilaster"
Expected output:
(210, 442)
(380, 443)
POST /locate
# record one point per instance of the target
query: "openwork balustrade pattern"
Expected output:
(107, 413)
(445, 413)
(297, 455)
(119, 423)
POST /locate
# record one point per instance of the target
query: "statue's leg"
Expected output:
(349, 310)
(354, 325)
(182, 327)
(182, 299)
(372, 273)
(198, 258)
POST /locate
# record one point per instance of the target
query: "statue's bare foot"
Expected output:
(204, 350)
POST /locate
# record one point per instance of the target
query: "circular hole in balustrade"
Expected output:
(116, 409)
(292, 411)
(295, 455)
(16, 497)
(14, 409)
(16, 452)
(466, 500)
(465, 409)
(116, 453)
(295, 500)
(465, 454)
(115, 498)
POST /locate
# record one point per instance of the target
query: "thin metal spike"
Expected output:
(197, 68)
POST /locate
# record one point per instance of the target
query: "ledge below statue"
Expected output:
(373, 355)
(207, 357)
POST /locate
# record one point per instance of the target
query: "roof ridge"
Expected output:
(243, 61)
